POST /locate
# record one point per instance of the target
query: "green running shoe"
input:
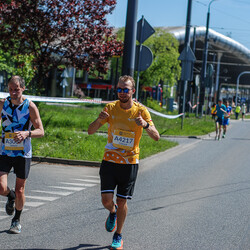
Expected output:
(117, 242)
(110, 224)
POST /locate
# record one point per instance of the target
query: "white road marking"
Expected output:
(76, 187)
(42, 198)
(79, 184)
(87, 180)
(69, 188)
(53, 192)
(3, 217)
(92, 176)
(33, 204)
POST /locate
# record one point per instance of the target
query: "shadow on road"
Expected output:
(195, 199)
(80, 246)
(245, 139)
(88, 247)
(4, 231)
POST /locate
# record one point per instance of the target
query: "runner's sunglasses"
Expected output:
(125, 90)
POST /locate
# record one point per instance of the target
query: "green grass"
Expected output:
(72, 144)
(66, 137)
(192, 126)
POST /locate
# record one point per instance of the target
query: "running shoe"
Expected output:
(117, 242)
(215, 137)
(10, 206)
(223, 136)
(15, 227)
(110, 224)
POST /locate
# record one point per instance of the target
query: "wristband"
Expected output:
(29, 134)
(146, 126)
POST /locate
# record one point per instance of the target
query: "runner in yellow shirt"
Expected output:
(126, 120)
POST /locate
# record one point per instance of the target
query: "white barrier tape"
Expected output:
(56, 99)
(163, 115)
(74, 100)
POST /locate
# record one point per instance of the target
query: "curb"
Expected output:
(96, 163)
(66, 161)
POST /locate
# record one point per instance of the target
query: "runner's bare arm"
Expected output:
(151, 130)
(37, 124)
(36, 121)
(95, 125)
(1, 107)
(223, 110)
(153, 133)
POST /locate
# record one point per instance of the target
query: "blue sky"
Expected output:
(228, 17)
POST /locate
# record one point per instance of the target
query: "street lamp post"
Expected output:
(237, 86)
(204, 61)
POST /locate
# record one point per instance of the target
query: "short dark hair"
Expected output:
(17, 79)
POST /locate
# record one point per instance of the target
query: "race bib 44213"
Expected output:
(123, 139)
(10, 143)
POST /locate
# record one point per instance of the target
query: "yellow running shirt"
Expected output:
(123, 133)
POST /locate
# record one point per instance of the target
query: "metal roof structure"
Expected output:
(234, 57)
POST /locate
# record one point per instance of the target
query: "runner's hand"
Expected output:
(140, 121)
(21, 136)
(104, 114)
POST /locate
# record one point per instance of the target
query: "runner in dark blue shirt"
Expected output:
(221, 110)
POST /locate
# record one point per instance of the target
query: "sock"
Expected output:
(11, 195)
(17, 215)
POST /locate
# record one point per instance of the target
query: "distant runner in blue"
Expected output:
(226, 119)
(221, 111)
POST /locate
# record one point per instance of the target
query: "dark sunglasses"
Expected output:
(125, 90)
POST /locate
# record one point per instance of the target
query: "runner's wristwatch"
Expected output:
(146, 126)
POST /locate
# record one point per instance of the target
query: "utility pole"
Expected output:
(128, 63)
(187, 57)
(204, 63)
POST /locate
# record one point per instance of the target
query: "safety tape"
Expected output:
(163, 115)
(74, 100)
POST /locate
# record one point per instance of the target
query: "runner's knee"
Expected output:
(19, 191)
(107, 199)
(121, 202)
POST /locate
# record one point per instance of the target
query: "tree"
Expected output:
(59, 32)
(17, 65)
(165, 67)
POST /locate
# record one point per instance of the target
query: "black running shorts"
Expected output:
(122, 176)
(20, 164)
(220, 120)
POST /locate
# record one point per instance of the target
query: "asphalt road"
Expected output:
(193, 196)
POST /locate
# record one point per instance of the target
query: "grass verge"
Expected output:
(65, 137)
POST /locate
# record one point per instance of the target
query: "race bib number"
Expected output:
(124, 139)
(10, 143)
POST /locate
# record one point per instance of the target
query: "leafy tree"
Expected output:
(165, 67)
(56, 32)
(17, 65)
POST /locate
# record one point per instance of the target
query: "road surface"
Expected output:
(193, 196)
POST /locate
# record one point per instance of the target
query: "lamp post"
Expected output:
(204, 61)
(237, 86)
